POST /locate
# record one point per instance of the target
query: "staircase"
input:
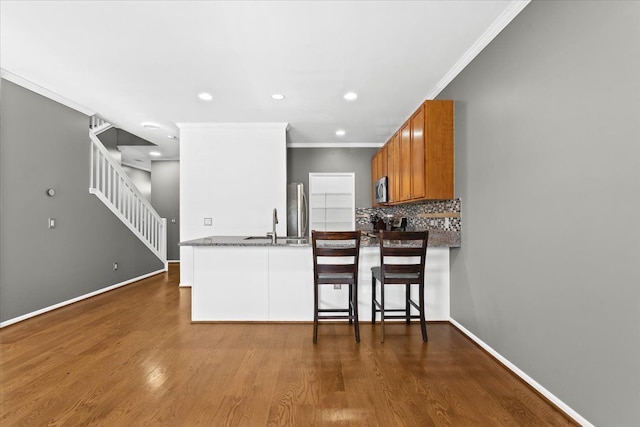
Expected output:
(111, 184)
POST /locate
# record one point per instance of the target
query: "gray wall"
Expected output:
(547, 152)
(141, 179)
(44, 144)
(165, 198)
(109, 139)
(301, 161)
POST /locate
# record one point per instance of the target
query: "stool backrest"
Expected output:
(335, 256)
(402, 256)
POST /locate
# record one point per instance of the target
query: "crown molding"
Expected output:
(284, 126)
(498, 25)
(334, 145)
(33, 87)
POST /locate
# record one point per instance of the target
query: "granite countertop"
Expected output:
(437, 238)
(245, 241)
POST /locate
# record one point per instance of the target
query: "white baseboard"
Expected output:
(185, 285)
(173, 261)
(71, 301)
(526, 378)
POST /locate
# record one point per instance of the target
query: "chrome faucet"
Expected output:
(273, 234)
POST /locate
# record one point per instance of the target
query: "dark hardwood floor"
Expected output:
(132, 357)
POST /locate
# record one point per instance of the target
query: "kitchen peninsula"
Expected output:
(242, 278)
(236, 278)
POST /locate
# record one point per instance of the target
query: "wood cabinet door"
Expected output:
(394, 184)
(418, 190)
(379, 165)
(405, 162)
(374, 177)
(439, 149)
(391, 194)
(384, 164)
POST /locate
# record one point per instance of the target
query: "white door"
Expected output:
(332, 203)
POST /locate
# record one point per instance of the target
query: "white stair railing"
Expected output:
(111, 184)
(98, 125)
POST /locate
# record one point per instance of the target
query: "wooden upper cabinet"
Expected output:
(405, 162)
(418, 190)
(383, 165)
(394, 178)
(390, 171)
(419, 157)
(379, 168)
(374, 177)
(439, 149)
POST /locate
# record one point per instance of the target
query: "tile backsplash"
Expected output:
(430, 215)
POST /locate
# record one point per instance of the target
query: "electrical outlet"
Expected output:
(447, 223)
(208, 222)
(337, 286)
(115, 266)
(51, 223)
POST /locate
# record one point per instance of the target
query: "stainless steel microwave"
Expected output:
(380, 190)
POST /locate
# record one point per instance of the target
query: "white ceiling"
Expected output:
(146, 61)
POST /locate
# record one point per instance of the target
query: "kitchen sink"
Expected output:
(294, 241)
(289, 240)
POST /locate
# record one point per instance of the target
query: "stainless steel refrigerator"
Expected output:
(297, 210)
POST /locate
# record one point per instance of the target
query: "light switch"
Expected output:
(173, 220)
(208, 222)
(52, 223)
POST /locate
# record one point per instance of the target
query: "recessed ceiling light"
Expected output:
(278, 96)
(350, 96)
(154, 153)
(172, 137)
(340, 132)
(150, 125)
(205, 96)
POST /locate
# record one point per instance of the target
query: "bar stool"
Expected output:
(335, 262)
(402, 258)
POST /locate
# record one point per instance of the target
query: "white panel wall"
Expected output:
(234, 173)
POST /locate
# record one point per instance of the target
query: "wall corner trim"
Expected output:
(80, 298)
(494, 29)
(34, 87)
(526, 378)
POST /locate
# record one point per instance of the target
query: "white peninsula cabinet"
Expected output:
(230, 283)
(275, 283)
